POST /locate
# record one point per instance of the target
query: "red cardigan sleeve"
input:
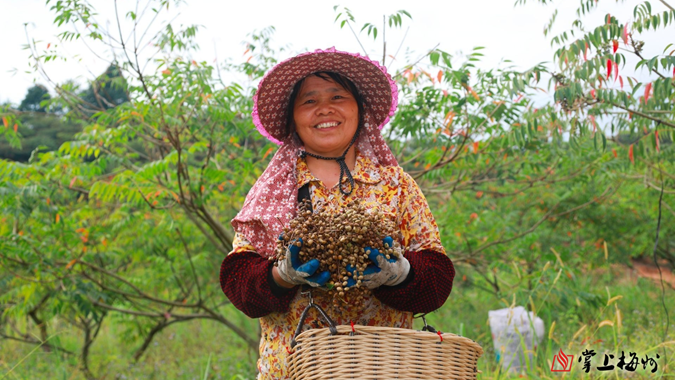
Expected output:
(427, 286)
(246, 279)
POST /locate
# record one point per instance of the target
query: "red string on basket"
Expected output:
(352, 322)
(440, 335)
(288, 350)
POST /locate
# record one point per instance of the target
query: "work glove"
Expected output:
(293, 271)
(382, 271)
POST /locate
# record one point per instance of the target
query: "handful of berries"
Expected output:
(341, 239)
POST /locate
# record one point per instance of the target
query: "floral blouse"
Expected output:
(247, 281)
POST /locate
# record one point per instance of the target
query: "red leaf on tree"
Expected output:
(410, 76)
(440, 76)
(609, 68)
(648, 90)
(585, 51)
(474, 94)
(595, 125)
(72, 182)
(479, 194)
(630, 154)
(609, 18)
(475, 147)
(614, 152)
(5, 121)
(16, 127)
(593, 93)
(267, 153)
(658, 144)
(615, 44)
(616, 71)
(71, 263)
(625, 34)
(621, 81)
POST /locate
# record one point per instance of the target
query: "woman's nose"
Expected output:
(324, 107)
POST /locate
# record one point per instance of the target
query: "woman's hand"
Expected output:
(383, 271)
(292, 272)
(280, 281)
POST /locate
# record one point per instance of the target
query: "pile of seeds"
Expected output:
(337, 237)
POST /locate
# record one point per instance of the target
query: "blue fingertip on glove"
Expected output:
(320, 278)
(374, 253)
(370, 269)
(295, 254)
(309, 267)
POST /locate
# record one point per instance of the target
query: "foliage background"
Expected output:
(116, 196)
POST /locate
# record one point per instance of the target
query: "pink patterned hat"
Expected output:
(375, 85)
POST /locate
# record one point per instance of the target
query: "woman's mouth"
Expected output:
(328, 124)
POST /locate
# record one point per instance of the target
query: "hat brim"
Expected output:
(372, 80)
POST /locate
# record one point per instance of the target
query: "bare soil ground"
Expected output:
(646, 268)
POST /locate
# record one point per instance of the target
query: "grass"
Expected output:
(193, 350)
(633, 322)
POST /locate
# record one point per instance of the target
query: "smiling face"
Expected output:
(326, 116)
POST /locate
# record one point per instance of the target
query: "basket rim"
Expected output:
(344, 331)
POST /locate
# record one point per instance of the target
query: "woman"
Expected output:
(326, 109)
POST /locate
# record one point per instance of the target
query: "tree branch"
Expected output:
(32, 341)
(667, 5)
(641, 114)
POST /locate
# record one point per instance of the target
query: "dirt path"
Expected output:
(647, 269)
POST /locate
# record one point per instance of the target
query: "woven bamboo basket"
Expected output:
(371, 352)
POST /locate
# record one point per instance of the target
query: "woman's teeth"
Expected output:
(327, 125)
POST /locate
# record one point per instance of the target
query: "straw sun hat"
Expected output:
(271, 100)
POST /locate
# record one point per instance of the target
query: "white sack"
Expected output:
(508, 327)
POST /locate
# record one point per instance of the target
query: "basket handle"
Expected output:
(426, 327)
(303, 316)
